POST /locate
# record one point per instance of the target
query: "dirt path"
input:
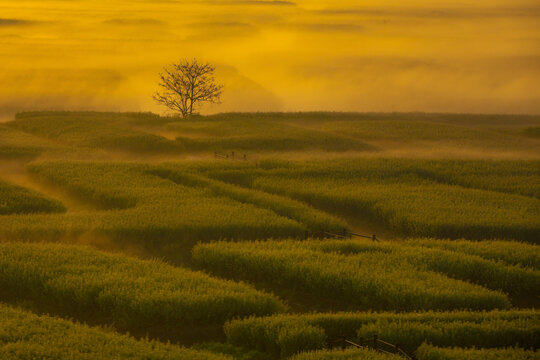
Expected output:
(14, 172)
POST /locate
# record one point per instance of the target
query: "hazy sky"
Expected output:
(418, 55)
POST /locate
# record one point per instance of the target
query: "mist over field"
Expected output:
(269, 179)
(433, 56)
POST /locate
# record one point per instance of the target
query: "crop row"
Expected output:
(405, 202)
(425, 352)
(260, 135)
(19, 200)
(399, 277)
(134, 204)
(320, 130)
(16, 144)
(125, 291)
(424, 132)
(507, 252)
(24, 335)
(516, 177)
(315, 220)
(439, 198)
(94, 130)
(348, 354)
(140, 132)
(359, 264)
(419, 208)
(490, 333)
(514, 279)
(430, 352)
(533, 132)
(289, 334)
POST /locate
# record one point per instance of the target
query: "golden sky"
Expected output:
(394, 55)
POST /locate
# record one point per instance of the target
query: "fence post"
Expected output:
(375, 343)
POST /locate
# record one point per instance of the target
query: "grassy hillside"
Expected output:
(238, 234)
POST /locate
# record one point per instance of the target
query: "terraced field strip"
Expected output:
(349, 354)
(28, 336)
(20, 200)
(124, 291)
(135, 206)
(366, 275)
(17, 144)
(294, 333)
(315, 221)
(236, 133)
(108, 131)
(429, 352)
(407, 195)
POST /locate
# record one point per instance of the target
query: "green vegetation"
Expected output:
(16, 144)
(486, 334)
(508, 252)
(272, 132)
(316, 221)
(409, 196)
(226, 133)
(419, 207)
(512, 279)
(533, 132)
(267, 334)
(95, 130)
(127, 292)
(429, 352)
(138, 206)
(27, 336)
(238, 353)
(517, 177)
(18, 200)
(425, 134)
(154, 186)
(349, 354)
(444, 257)
(400, 278)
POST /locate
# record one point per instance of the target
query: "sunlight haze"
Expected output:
(299, 55)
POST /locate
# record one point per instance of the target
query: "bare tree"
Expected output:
(186, 85)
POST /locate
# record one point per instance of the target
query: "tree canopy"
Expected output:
(186, 85)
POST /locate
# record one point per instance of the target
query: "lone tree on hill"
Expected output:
(186, 85)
